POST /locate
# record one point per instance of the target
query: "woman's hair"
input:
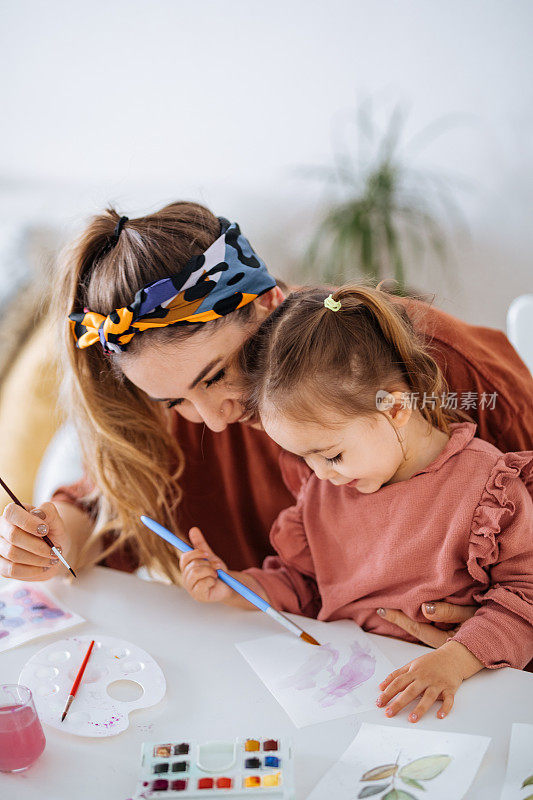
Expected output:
(305, 358)
(129, 452)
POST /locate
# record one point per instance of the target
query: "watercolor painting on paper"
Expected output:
(28, 611)
(314, 684)
(393, 763)
(518, 783)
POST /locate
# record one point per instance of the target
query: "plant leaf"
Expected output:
(370, 790)
(412, 782)
(379, 773)
(528, 782)
(398, 794)
(424, 769)
(529, 797)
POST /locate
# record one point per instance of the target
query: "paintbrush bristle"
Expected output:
(70, 568)
(63, 715)
(308, 638)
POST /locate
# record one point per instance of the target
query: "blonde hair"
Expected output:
(129, 453)
(307, 357)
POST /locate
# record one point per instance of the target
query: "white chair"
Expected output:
(520, 327)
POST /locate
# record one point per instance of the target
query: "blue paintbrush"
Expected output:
(236, 585)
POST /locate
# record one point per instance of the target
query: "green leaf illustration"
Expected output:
(412, 782)
(527, 782)
(370, 790)
(398, 794)
(380, 773)
(424, 769)
(529, 797)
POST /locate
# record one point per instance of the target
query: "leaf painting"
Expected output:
(412, 782)
(425, 769)
(528, 782)
(421, 769)
(378, 773)
(399, 794)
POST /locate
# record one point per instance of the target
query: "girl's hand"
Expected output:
(433, 612)
(433, 676)
(23, 554)
(199, 571)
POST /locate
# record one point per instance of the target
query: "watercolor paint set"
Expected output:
(253, 767)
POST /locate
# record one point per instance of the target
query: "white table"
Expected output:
(213, 693)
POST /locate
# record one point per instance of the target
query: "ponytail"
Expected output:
(306, 352)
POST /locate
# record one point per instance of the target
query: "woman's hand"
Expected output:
(433, 676)
(199, 571)
(23, 554)
(434, 612)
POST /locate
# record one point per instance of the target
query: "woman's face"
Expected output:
(193, 375)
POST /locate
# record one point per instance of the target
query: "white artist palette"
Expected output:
(51, 672)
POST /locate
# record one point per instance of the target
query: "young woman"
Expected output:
(159, 414)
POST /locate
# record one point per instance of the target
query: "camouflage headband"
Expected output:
(228, 276)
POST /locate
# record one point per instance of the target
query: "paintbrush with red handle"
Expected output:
(76, 683)
(46, 539)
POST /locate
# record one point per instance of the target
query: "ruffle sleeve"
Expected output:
(289, 577)
(500, 558)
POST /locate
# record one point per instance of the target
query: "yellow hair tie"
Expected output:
(333, 305)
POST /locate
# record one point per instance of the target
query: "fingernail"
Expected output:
(430, 608)
(389, 712)
(38, 513)
(413, 717)
(379, 702)
(42, 529)
(48, 567)
(54, 560)
(441, 715)
(381, 612)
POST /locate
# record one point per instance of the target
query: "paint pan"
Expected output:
(102, 705)
(244, 767)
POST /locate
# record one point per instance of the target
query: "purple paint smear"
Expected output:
(358, 668)
(107, 724)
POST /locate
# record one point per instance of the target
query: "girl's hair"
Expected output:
(130, 455)
(305, 358)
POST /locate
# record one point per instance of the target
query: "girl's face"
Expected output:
(194, 376)
(363, 452)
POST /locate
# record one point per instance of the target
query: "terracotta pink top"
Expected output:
(460, 530)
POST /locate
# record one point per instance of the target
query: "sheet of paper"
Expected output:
(404, 763)
(314, 684)
(518, 783)
(27, 611)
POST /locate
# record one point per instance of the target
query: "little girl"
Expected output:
(395, 500)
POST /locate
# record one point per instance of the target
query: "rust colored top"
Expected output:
(232, 483)
(460, 530)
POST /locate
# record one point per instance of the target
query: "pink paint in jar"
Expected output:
(21, 735)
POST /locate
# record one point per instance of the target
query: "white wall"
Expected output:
(142, 101)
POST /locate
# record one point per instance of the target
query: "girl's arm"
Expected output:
(289, 587)
(200, 579)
